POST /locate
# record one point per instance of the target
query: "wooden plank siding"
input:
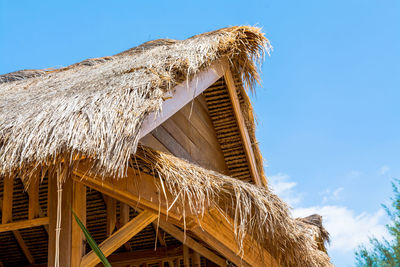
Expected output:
(189, 134)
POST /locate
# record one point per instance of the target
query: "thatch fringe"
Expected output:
(95, 108)
(255, 210)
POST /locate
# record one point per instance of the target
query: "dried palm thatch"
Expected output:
(95, 108)
(254, 210)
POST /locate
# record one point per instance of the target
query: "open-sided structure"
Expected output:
(154, 149)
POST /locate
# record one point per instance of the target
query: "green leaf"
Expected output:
(92, 243)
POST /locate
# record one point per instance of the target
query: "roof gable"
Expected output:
(96, 108)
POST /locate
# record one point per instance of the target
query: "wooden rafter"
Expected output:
(218, 246)
(141, 190)
(214, 224)
(24, 247)
(191, 243)
(248, 148)
(120, 237)
(145, 194)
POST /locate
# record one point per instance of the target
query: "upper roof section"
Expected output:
(96, 108)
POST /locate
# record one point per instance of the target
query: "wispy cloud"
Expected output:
(332, 195)
(384, 169)
(347, 229)
(283, 187)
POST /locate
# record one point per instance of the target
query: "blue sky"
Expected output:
(328, 110)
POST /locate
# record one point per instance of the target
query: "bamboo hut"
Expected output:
(154, 149)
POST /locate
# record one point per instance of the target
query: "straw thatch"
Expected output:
(254, 210)
(95, 108)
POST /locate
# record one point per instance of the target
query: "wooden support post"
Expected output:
(186, 258)
(7, 200)
(66, 219)
(111, 205)
(159, 234)
(124, 219)
(120, 237)
(78, 239)
(124, 214)
(196, 259)
(33, 194)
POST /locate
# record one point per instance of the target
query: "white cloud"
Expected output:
(332, 195)
(384, 169)
(283, 187)
(347, 229)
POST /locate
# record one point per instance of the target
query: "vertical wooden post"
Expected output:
(33, 194)
(7, 200)
(111, 205)
(196, 259)
(124, 214)
(66, 219)
(78, 239)
(186, 258)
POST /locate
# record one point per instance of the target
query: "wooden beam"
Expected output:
(8, 189)
(33, 195)
(23, 247)
(140, 190)
(182, 94)
(165, 254)
(247, 145)
(111, 207)
(218, 246)
(120, 237)
(20, 241)
(191, 243)
(216, 225)
(78, 238)
(24, 224)
(186, 257)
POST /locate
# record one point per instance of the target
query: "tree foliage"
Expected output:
(387, 251)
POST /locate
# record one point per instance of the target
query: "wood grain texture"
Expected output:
(120, 237)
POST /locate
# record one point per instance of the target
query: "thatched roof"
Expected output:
(254, 210)
(95, 108)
